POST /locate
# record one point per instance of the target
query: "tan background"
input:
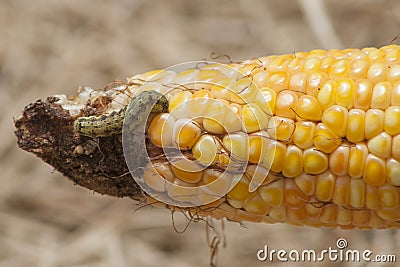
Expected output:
(50, 47)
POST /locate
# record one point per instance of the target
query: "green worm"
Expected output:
(111, 123)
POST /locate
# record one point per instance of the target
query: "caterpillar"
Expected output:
(111, 123)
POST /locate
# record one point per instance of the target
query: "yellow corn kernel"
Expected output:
(326, 96)
(340, 68)
(306, 183)
(393, 171)
(156, 176)
(372, 199)
(199, 103)
(363, 94)
(395, 97)
(389, 196)
(238, 146)
(308, 108)
(258, 146)
(298, 82)
(281, 128)
(357, 159)
(360, 218)
(205, 150)
(314, 83)
(221, 90)
(293, 196)
(374, 171)
(296, 215)
(339, 160)
(277, 81)
(343, 216)
(377, 72)
(256, 205)
(239, 193)
(303, 135)
(374, 120)
(381, 95)
(344, 92)
(273, 193)
(233, 121)
(244, 91)
(186, 170)
(380, 145)
(335, 118)
(185, 134)
(294, 161)
(328, 214)
(341, 191)
(325, 186)
(315, 162)
(254, 119)
(392, 120)
(359, 69)
(395, 146)
(268, 101)
(275, 157)
(179, 105)
(215, 117)
(355, 122)
(161, 130)
(357, 193)
(285, 104)
(278, 213)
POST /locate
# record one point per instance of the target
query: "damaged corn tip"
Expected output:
(315, 134)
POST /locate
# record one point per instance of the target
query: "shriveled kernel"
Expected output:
(374, 171)
(380, 145)
(363, 94)
(389, 214)
(357, 158)
(374, 121)
(377, 72)
(381, 94)
(306, 183)
(357, 193)
(308, 108)
(341, 191)
(315, 162)
(375, 221)
(325, 139)
(345, 93)
(339, 160)
(389, 196)
(293, 196)
(325, 186)
(294, 161)
(273, 193)
(393, 171)
(278, 213)
(285, 104)
(326, 96)
(392, 120)
(372, 200)
(335, 118)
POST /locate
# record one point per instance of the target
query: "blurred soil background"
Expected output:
(52, 47)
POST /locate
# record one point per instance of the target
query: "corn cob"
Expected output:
(310, 138)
